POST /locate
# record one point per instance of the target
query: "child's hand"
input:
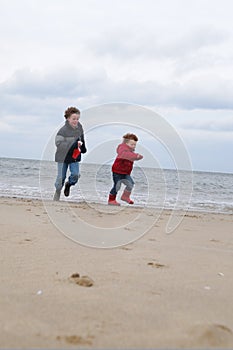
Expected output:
(79, 144)
(139, 156)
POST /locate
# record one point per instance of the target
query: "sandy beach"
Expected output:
(161, 291)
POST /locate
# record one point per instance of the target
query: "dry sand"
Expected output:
(162, 291)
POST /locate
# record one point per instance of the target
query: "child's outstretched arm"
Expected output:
(129, 155)
(139, 156)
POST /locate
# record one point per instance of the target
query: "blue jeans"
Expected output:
(118, 179)
(62, 171)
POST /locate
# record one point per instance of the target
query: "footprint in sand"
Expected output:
(191, 216)
(84, 281)
(215, 240)
(157, 265)
(25, 241)
(75, 339)
(217, 335)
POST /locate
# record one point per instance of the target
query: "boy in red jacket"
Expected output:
(122, 167)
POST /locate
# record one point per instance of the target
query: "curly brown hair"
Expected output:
(129, 136)
(70, 111)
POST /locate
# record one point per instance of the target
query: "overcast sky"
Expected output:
(174, 57)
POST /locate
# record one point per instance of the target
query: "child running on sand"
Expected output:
(70, 144)
(122, 167)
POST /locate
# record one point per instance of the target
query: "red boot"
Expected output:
(126, 197)
(112, 200)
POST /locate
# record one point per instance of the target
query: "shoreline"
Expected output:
(160, 291)
(135, 206)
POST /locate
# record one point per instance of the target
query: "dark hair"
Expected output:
(70, 111)
(129, 136)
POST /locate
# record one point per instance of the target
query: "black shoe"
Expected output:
(56, 196)
(67, 189)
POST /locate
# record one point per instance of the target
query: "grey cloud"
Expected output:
(41, 92)
(26, 82)
(175, 94)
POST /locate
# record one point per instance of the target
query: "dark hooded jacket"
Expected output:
(66, 141)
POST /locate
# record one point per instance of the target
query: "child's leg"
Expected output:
(74, 173)
(129, 183)
(73, 178)
(61, 175)
(116, 186)
(117, 178)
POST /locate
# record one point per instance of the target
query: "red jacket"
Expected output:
(123, 163)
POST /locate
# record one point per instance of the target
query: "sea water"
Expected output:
(157, 188)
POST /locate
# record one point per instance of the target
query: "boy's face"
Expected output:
(132, 144)
(73, 120)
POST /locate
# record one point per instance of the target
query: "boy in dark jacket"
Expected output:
(70, 144)
(122, 167)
